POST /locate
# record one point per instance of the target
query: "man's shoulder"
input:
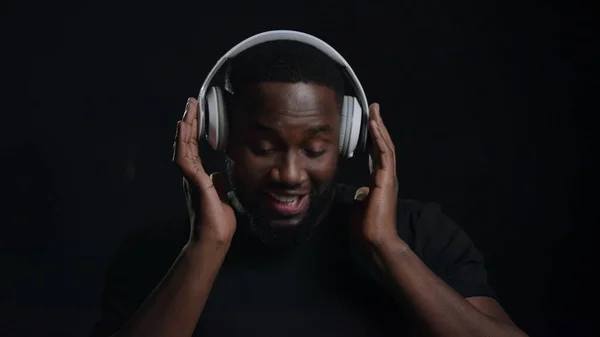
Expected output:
(143, 258)
(440, 243)
(417, 221)
(408, 210)
(172, 230)
(151, 249)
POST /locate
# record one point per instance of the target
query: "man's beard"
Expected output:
(252, 222)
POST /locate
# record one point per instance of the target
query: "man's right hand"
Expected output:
(212, 218)
(175, 305)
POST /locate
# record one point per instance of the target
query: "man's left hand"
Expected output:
(375, 213)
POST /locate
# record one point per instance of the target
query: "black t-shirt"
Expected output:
(322, 287)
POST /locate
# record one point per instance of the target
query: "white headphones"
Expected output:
(355, 110)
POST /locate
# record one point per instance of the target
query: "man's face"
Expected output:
(284, 148)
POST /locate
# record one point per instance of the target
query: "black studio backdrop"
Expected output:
(482, 101)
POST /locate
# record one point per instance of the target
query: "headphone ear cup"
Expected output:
(355, 124)
(343, 126)
(224, 121)
(201, 120)
(217, 118)
(350, 126)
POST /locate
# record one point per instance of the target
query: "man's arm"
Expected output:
(174, 307)
(439, 309)
(439, 305)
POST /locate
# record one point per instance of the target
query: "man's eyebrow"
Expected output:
(312, 131)
(260, 127)
(315, 130)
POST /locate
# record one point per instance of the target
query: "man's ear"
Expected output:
(362, 193)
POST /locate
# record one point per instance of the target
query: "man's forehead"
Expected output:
(291, 98)
(273, 118)
(310, 129)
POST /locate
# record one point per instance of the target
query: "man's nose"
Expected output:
(290, 170)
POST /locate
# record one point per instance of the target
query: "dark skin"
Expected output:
(285, 139)
(289, 112)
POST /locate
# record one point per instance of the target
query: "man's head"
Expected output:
(284, 107)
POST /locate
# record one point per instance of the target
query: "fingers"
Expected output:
(190, 116)
(376, 116)
(383, 153)
(190, 123)
(186, 147)
(175, 141)
(182, 138)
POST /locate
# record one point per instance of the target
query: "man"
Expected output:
(297, 254)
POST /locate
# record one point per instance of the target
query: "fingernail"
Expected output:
(187, 105)
(361, 194)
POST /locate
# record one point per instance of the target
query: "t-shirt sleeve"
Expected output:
(449, 252)
(140, 264)
(117, 304)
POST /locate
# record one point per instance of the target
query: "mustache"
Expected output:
(315, 189)
(277, 185)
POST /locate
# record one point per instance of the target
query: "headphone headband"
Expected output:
(303, 38)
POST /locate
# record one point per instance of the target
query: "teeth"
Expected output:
(284, 199)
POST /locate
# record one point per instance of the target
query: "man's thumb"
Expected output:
(220, 184)
(362, 193)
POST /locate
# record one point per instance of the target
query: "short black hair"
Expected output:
(284, 61)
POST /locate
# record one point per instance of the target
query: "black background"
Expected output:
(483, 100)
